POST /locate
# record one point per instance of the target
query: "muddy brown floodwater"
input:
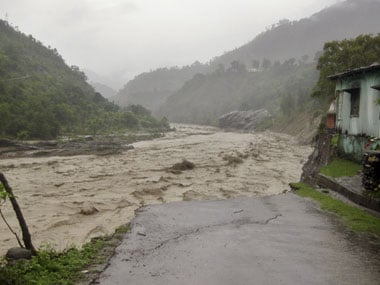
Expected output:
(68, 200)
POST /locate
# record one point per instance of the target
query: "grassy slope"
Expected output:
(341, 167)
(354, 218)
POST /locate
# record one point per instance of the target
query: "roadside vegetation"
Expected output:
(354, 218)
(62, 268)
(340, 167)
(339, 56)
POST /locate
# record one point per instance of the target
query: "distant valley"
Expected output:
(276, 70)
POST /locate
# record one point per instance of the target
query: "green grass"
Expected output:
(341, 167)
(334, 140)
(354, 218)
(58, 268)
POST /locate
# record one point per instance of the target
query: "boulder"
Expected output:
(17, 253)
(88, 210)
(243, 120)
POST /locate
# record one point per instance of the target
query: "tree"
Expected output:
(339, 56)
(80, 73)
(220, 69)
(129, 120)
(6, 191)
(266, 64)
(290, 62)
(237, 67)
(287, 104)
(255, 64)
(283, 22)
(138, 110)
(304, 58)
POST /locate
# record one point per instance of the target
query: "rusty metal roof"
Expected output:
(372, 67)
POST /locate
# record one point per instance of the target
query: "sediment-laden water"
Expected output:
(68, 200)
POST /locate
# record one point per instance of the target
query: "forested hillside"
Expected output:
(103, 89)
(285, 89)
(281, 88)
(42, 97)
(151, 89)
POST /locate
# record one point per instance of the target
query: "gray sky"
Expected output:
(132, 36)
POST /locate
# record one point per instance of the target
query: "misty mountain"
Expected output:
(103, 89)
(281, 88)
(263, 85)
(151, 89)
(284, 40)
(42, 97)
(113, 80)
(288, 39)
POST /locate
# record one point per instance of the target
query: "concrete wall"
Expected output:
(351, 147)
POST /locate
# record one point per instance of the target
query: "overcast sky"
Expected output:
(132, 36)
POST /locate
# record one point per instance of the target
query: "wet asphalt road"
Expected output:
(270, 240)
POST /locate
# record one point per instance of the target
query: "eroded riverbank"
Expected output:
(68, 200)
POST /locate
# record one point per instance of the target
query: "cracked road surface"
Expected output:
(280, 239)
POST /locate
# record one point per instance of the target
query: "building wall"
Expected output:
(368, 121)
(355, 129)
(351, 147)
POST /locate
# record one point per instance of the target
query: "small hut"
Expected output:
(358, 119)
(357, 108)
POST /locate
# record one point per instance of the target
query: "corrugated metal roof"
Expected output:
(372, 67)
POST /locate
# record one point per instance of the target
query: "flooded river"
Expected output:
(68, 200)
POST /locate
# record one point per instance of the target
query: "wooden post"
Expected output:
(24, 228)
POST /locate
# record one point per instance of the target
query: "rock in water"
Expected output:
(184, 165)
(88, 210)
(243, 120)
(17, 253)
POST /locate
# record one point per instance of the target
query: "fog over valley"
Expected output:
(121, 39)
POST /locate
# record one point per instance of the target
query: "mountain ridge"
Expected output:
(288, 39)
(300, 39)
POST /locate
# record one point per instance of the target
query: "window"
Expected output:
(355, 102)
